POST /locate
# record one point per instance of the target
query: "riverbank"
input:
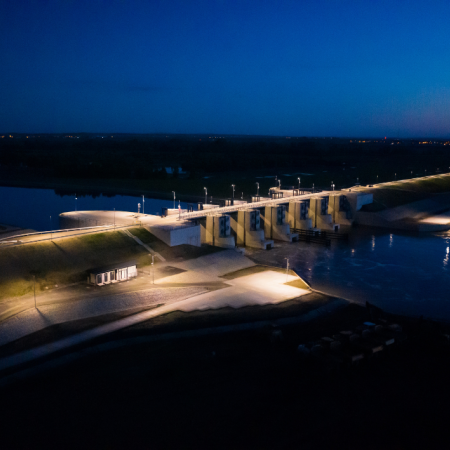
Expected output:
(246, 389)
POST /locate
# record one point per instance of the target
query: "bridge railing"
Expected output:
(227, 209)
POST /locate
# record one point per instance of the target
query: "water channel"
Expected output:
(400, 272)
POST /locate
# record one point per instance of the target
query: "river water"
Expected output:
(32, 208)
(402, 273)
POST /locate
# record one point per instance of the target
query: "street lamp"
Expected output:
(173, 192)
(51, 229)
(139, 207)
(313, 188)
(257, 189)
(233, 186)
(395, 175)
(332, 185)
(143, 204)
(206, 195)
(279, 184)
(298, 182)
(76, 201)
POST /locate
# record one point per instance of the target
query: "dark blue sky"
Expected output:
(304, 68)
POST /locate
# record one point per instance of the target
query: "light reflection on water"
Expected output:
(410, 277)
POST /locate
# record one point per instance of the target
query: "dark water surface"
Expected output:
(32, 208)
(402, 273)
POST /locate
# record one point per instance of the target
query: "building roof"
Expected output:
(104, 269)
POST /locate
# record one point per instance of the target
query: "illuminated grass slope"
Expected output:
(63, 261)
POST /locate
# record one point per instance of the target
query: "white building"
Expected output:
(113, 273)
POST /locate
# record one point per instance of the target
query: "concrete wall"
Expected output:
(319, 220)
(340, 215)
(358, 199)
(294, 217)
(251, 237)
(275, 230)
(189, 235)
(210, 233)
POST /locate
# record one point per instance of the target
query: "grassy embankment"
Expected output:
(404, 192)
(63, 261)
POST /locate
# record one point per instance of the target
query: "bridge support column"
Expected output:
(275, 225)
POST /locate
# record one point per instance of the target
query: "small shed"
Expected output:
(113, 273)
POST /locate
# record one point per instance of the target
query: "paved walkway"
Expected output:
(31, 355)
(33, 320)
(259, 288)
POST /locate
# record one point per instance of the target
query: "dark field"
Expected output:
(238, 391)
(136, 164)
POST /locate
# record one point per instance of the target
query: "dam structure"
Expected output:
(279, 217)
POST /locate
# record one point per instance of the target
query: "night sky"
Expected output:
(301, 68)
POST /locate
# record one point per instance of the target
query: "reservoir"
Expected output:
(401, 273)
(32, 208)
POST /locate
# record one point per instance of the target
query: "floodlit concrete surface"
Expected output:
(33, 320)
(209, 268)
(261, 288)
(257, 289)
(439, 219)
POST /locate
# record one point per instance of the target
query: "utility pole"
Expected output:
(153, 268)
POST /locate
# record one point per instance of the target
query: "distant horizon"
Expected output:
(5, 135)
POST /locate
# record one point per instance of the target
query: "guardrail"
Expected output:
(53, 234)
(226, 209)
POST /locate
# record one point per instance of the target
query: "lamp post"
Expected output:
(114, 218)
(279, 184)
(51, 229)
(395, 175)
(313, 188)
(153, 269)
(257, 189)
(332, 186)
(76, 201)
(206, 195)
(173, 192)
(143, 204)
(34, 287)
(287, 267)
(139, 207)
(298, 182)
(233, 186)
